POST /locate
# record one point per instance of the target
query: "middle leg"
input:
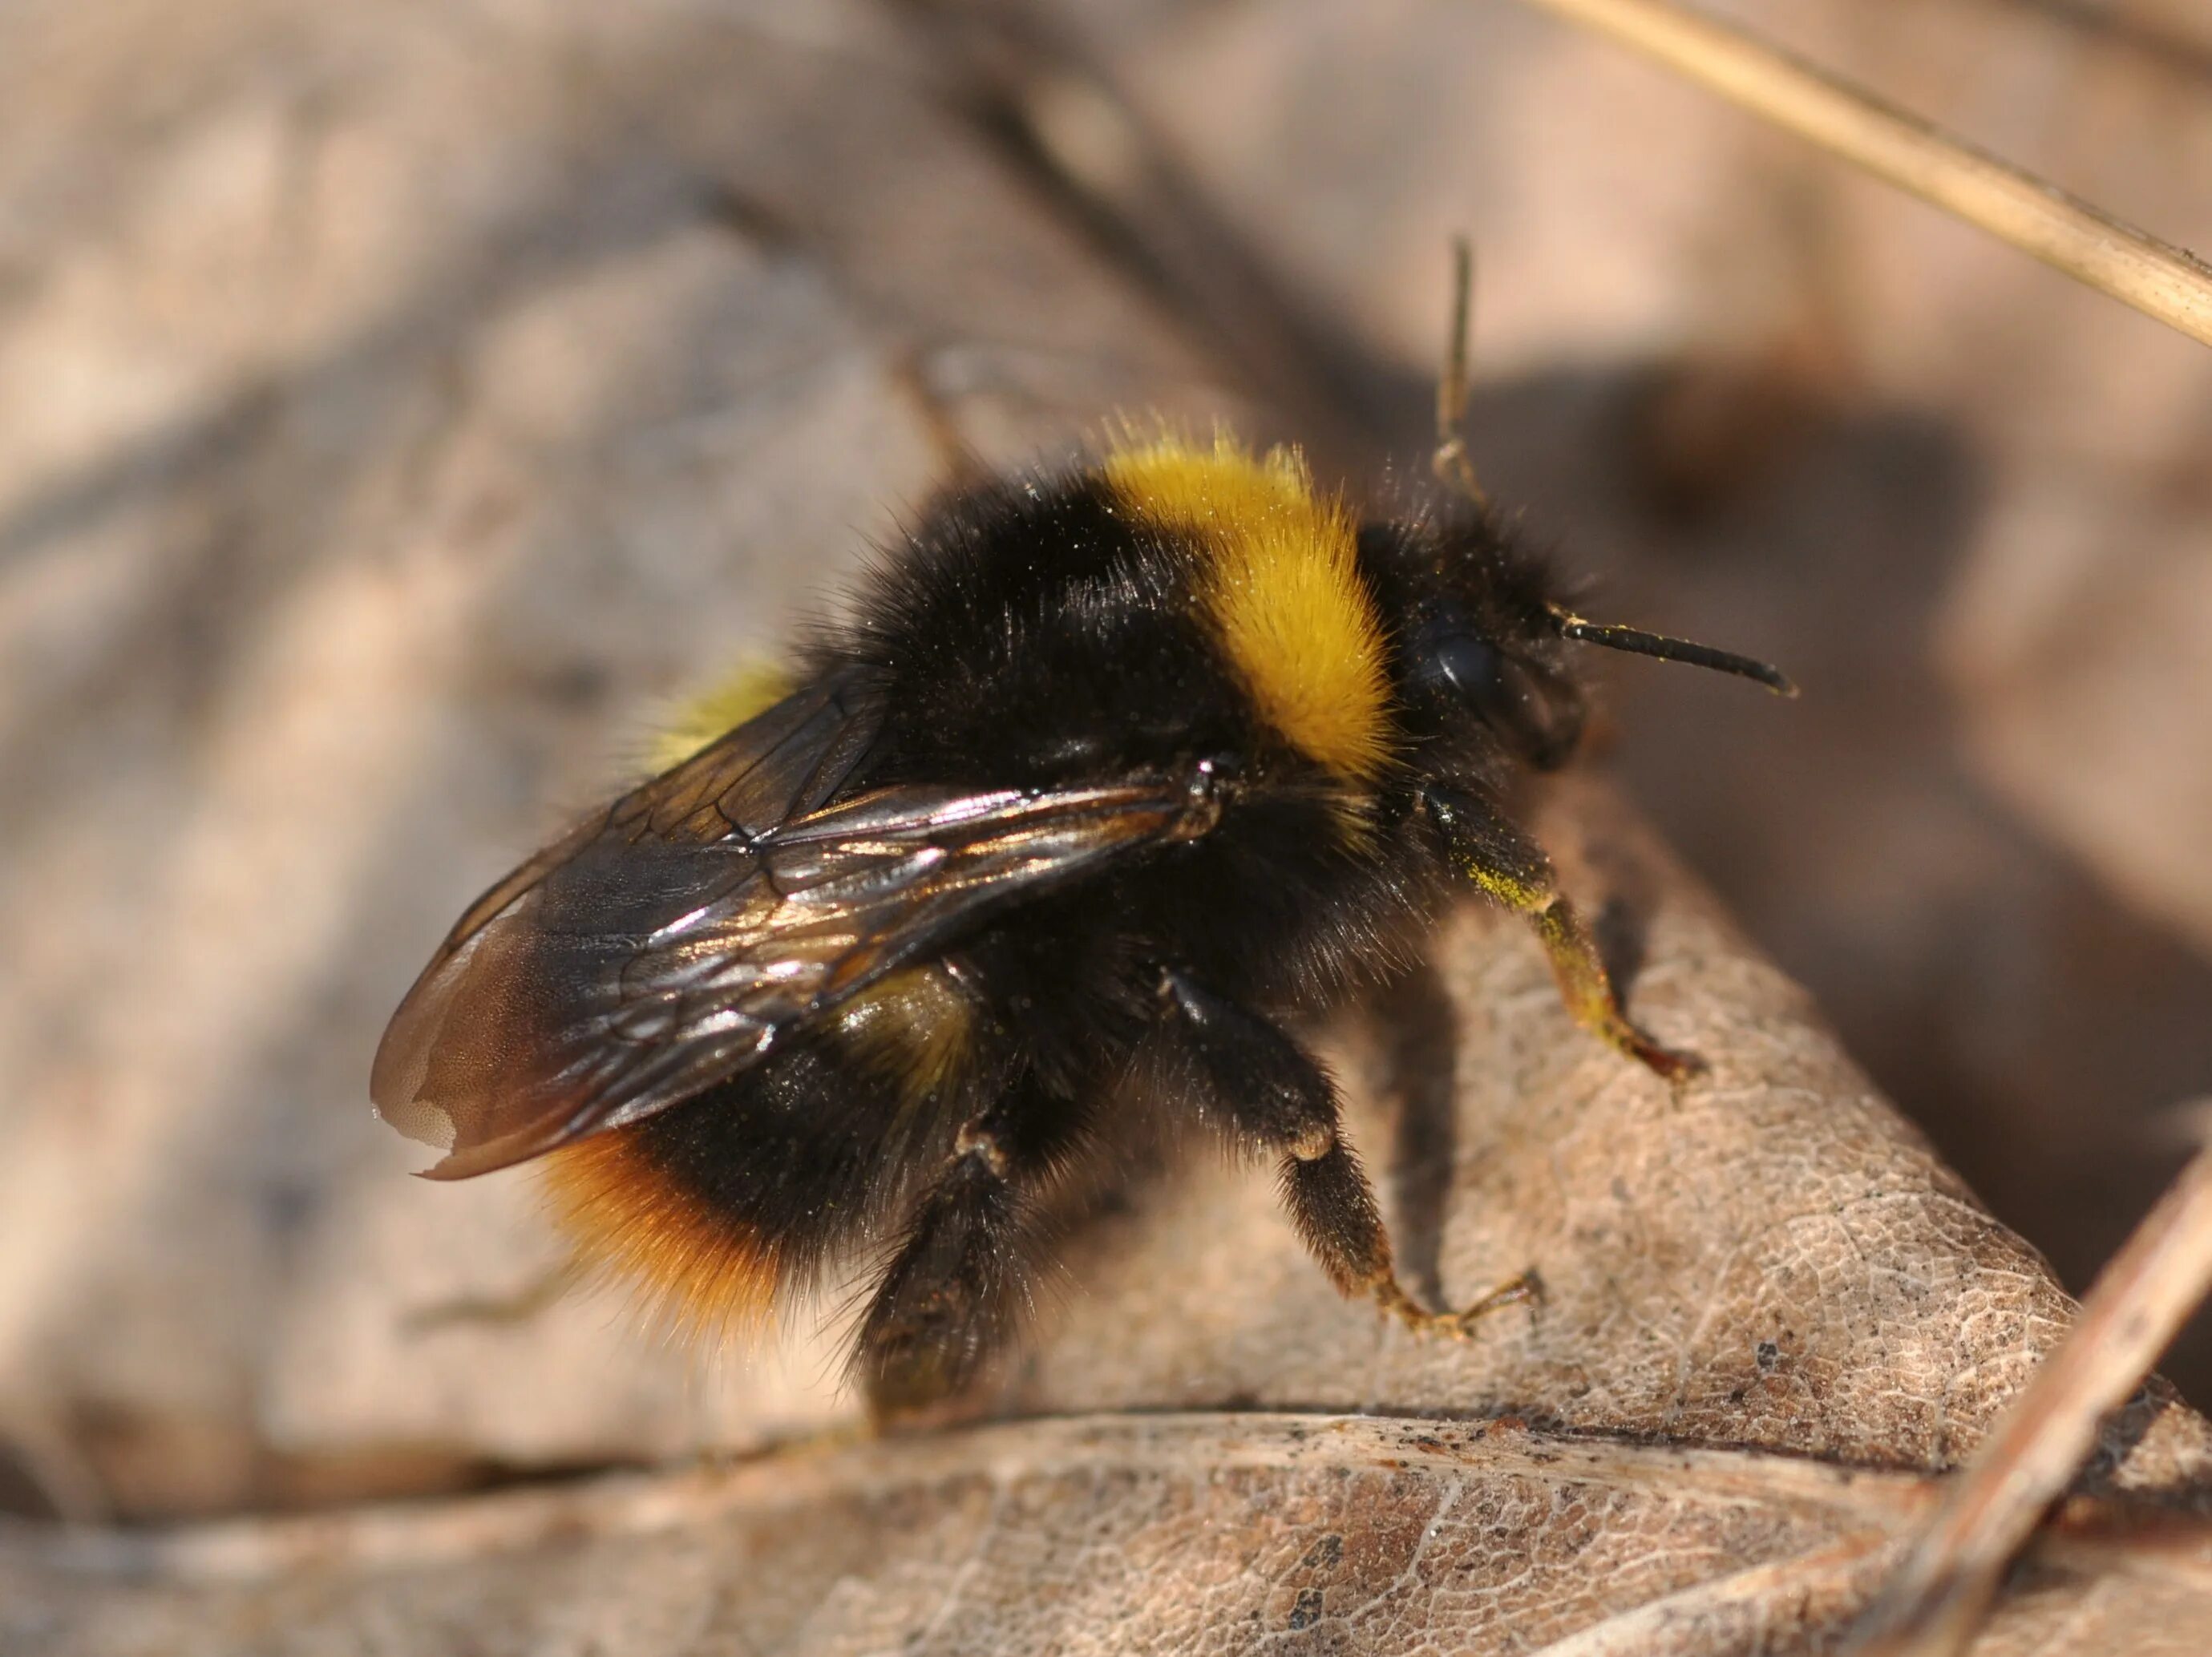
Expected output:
(1276, 1095)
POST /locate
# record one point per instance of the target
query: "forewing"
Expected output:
(635, 970)
(461, 1064)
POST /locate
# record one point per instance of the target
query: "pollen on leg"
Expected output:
(1588, 992)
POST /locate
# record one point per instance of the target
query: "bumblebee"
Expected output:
(1106, 775)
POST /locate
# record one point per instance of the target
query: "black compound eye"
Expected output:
(1467, 667)
(1537, 710)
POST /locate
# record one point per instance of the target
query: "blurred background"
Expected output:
(399, 404)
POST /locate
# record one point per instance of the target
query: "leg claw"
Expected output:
(1527, 1290)
(1676, 1068)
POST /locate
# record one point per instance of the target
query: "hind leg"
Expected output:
(1275, 1095)
(954, 1289)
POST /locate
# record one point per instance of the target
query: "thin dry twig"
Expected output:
(2034, 215)
(2137, 1305)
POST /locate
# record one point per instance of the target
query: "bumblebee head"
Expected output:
(1471, 610)
(1486, 634)
(1491, 633)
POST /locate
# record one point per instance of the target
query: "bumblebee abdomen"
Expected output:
(631, 1203)
(726, 1206)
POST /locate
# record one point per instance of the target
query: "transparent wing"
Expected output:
(441, 1072)
(668, 942)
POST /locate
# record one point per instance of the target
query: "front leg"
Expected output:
(1501, 860)
(1278, 1096)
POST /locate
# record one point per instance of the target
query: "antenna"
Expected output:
(1640, 643)
(1454, 469)
(1450, 464)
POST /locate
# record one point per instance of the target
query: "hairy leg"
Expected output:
(1497, 858)
(953, 1291)
(1277, 1096)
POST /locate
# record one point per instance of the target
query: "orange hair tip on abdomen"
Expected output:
(708, 1274)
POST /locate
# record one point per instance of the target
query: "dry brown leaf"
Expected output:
(433, 388)
(1955, 1565)
(1104, 1533)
